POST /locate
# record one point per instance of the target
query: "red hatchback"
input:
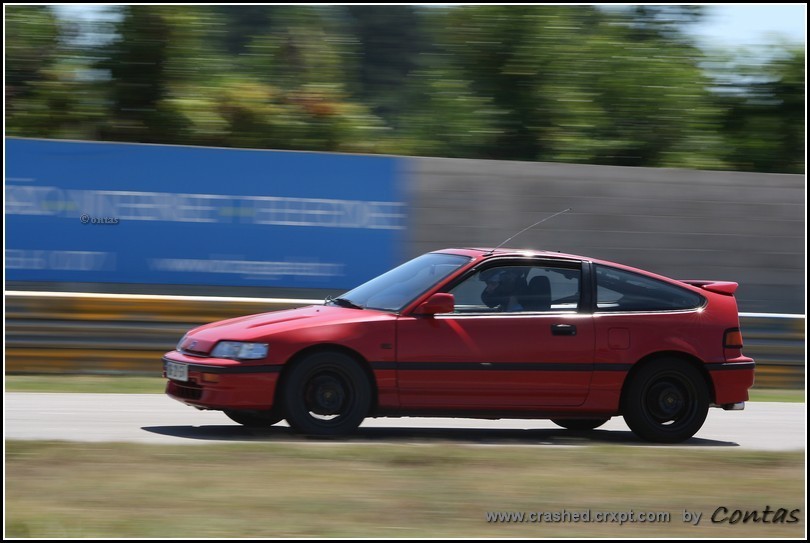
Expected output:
(480, 333)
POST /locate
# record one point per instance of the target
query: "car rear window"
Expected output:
(620, 290)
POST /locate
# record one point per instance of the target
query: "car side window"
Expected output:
(620, 290)
(514, 289)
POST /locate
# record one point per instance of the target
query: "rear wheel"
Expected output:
(580, 424)
(255, 419)
(327, 394)
(667, 401)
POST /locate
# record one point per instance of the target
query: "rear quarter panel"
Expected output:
(624, 339)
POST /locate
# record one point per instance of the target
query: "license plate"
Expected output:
(178, 372)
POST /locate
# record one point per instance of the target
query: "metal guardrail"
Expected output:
(777, 343)
(60, 332)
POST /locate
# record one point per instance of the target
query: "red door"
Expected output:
(494, 361)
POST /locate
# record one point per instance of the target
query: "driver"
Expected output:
(504, 287)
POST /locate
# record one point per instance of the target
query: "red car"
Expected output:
(480, 333)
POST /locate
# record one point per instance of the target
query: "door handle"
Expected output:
(563, 330)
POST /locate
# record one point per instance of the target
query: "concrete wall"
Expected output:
(744, 227)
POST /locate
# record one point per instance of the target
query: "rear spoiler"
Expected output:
(721, 287)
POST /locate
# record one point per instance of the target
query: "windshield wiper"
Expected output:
(344, 302)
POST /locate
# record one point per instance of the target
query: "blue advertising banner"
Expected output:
(134, 213)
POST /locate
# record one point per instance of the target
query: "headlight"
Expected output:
(239, 350)
(180, 343)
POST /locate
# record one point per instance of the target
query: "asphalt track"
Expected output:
(154, 418)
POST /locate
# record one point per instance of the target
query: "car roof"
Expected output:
(479, 252)
(483, 253)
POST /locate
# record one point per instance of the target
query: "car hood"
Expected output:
(262, 326)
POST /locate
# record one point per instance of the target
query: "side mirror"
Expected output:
(441, 302)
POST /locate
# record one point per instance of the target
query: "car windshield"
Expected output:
(395, 289)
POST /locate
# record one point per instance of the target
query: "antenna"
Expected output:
(507, 240)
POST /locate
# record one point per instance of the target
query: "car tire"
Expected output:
(326, 394)
(666, 401)
(255, 419)
(580, 424)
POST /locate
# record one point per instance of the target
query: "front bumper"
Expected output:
(223, 384)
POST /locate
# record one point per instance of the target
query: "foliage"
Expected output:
(763, 112)
(564, 83)
(47, 94)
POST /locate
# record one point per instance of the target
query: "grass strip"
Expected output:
(321, 489)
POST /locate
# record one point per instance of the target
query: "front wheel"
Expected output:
(326, 394)
(666, 401)
(580, 424)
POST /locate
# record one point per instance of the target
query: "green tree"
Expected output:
(635, 99)
(582, 84)
(577, 83)
(764, 112)
(241, 24)
(286, 89)
(50, 88)
(389, 43)
(32, 41)
(137, 63)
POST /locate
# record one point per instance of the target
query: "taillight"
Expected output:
(732, 343)
(732, 339)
